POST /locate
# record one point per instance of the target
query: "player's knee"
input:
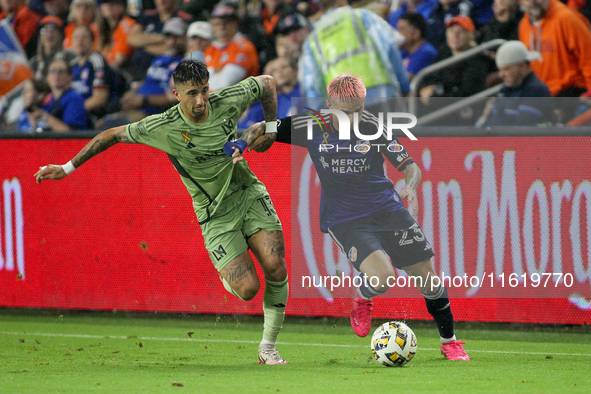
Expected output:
(276, 270)
(247, 293)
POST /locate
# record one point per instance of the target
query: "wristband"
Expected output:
(239, 144)
(68, 167)
(271, 127)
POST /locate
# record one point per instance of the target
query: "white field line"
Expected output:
(48, 334)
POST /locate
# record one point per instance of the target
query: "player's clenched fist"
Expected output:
(257, 138)
(50, 171)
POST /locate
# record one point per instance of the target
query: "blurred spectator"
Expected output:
(441, 14)
(231, 57)
(416, 52)
(199, 38)
(259, 23)
(295, 29)
(82, 12)
(422, 7)
(51, 38)
(135, 8)
(583, 6)
(285, 73)
(63, 109)
(24, 22)
(357, 41)
(199, 9)
(563, 38)
(59, 8)
(33, 94)
(481, 11)
(505, 21)
(147, 37)
(284, 47)
(515, 104)
(465, 78)
(92, 78)
(114, 28)
(272, 11)
(149, 97)
(462, 79)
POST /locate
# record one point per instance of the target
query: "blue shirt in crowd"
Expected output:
(424, 56)
(524, 105)
(158, 79)
(69, 108)
(424, 9)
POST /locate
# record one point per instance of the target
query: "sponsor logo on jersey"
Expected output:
(352, 254)
(362, 147)
(395, 147)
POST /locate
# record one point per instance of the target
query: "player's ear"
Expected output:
(176, 94)
(328, 104)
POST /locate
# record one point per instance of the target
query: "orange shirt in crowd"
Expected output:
(564, 40)
(24, 24)
(118, 44)
(70, 29)
(239, 51)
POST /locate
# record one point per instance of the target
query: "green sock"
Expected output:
(274, 308)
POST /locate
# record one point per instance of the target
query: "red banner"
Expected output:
(120, 232)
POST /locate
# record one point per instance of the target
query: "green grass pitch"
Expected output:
(48, 352)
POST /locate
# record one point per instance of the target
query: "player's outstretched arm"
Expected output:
(412, 177)
(98, 144)
(269, 98)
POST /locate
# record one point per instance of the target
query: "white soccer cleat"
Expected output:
(269, 355)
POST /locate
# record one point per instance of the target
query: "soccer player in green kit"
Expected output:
(233, 207)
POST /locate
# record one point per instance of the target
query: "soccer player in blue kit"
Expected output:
(360, 208)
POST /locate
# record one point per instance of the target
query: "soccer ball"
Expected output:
(393, 344)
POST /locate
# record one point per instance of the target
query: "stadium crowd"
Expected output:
(103, 63)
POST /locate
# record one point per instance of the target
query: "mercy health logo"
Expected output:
(344, 129)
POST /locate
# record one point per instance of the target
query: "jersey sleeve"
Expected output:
(394, 152)
(241, 95)
(293, 130)
(150, 131)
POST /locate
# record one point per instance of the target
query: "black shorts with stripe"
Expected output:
(396, 233)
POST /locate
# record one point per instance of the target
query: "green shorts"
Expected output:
(243, 214)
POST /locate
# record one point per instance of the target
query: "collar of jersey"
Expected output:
(196, 125)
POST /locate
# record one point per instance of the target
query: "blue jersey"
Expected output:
(158, 78)
(423, 57)
(93, 74)
(352, 176)
(69, 108)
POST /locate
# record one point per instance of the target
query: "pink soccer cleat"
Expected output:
(454, 351)
(269, 355)
(361, 316)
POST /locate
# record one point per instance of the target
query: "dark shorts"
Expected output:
(396, 233)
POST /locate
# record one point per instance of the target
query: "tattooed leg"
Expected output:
(269, 249)
(240, 277)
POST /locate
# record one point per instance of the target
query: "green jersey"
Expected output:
(198, 148)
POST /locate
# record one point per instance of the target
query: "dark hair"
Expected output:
(190, 71)
(41, 86)
(417, 21)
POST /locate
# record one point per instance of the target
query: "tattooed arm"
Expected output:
(98, 144)
(269, 98)
(412, 177)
